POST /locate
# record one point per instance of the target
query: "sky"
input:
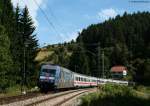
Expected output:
(59, 21)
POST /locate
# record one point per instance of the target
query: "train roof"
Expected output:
(83, 75)
(67, 70)
(77, 73)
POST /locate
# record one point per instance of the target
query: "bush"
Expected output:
(114, 95)
(112, 89)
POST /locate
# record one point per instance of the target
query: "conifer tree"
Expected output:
(29, 44)
(17, 48)
(5, 60)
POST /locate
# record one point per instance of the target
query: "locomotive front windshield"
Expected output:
(48, 72)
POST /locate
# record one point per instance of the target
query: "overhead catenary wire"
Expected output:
(139, 1)
(53, 15)
(47, 18)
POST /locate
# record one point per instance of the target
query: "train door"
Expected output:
(62, 78)
(57, 77)
(66, 79)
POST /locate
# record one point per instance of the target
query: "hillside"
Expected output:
(43, 54)
(55, 54)
(123, 40)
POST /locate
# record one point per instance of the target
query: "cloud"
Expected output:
(32, 6)
(105, 14)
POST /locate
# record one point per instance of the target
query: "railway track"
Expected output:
(55, 99)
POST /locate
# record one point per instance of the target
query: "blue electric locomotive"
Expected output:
(54, 77)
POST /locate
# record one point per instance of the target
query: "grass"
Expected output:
(143, 91)
(11, 91)
(43, 54)
(114, 95)
(16, 90)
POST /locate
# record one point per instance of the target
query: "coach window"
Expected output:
(81, 79)
(76, 78)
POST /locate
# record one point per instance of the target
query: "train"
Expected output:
(52, 77)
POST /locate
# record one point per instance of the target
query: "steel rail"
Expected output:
(57, 96)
